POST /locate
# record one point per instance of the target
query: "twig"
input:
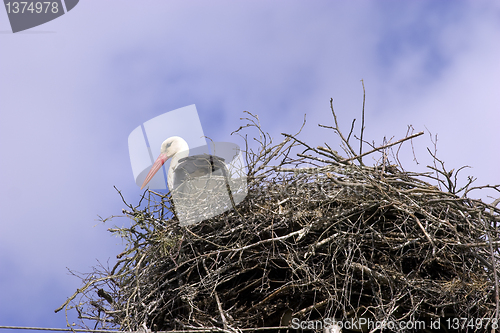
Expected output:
(382, 147)
(337, 129)
(81, 290)
(219, 306)
(362, 123)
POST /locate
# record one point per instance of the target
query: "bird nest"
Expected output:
(317, 236)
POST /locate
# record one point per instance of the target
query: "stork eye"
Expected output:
(169, 144)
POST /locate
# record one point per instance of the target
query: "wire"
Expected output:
(206, 330)
(56, 329)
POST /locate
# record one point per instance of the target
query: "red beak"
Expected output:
(154, 169)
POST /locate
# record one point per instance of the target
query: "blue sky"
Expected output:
(73, 89)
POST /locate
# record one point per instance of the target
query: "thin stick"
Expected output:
(81, 290)
(362, 123)
(224, 321)
(337, 129)
(382, 147)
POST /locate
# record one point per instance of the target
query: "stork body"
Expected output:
(184, 167)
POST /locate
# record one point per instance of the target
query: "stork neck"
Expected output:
(174, 162)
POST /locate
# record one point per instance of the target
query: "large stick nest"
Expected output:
(318, 236)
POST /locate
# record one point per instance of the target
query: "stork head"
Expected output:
(173, 146)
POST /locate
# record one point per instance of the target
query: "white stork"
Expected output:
(184, 167)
